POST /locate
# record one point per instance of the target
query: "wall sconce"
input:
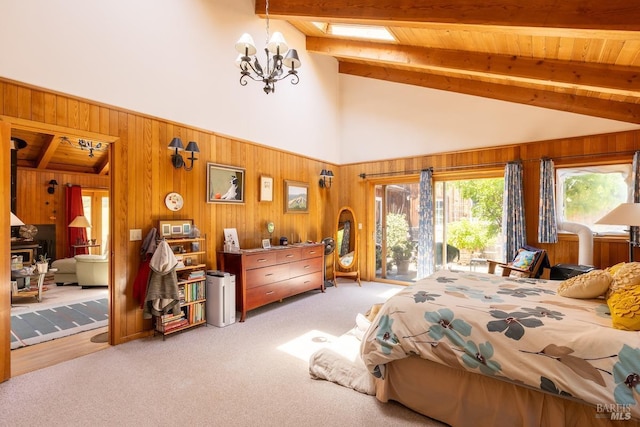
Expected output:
(176, 159)
(52, 186)
(325, 178)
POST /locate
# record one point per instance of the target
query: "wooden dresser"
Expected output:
(267, 275)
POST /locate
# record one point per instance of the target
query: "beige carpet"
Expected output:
(254, 373)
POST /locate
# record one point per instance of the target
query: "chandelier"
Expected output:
(272, 71)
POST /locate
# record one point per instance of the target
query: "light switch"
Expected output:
(135, 234)
(359, 226)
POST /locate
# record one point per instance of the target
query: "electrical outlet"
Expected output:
(135, 234)
(359, 226)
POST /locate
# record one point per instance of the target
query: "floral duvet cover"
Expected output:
(511, 328)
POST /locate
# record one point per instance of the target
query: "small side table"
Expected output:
(88, 246)
(27, 290)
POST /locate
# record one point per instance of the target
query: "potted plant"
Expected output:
(43, 264)
(403, 254)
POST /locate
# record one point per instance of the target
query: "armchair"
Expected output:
(528, 261)
(92, 270)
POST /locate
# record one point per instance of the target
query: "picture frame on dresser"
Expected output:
(296, 197)
(225, 184)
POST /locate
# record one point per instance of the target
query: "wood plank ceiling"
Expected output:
(576, 56)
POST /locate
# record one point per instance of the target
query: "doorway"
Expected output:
(66, 156)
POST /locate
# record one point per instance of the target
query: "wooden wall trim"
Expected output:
(5, 270)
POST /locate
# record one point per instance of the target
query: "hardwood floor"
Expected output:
(34, 357)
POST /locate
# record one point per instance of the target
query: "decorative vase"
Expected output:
(42, 267)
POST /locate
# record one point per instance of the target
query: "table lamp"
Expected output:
(15, 221)
(625, 214)
(80, 222)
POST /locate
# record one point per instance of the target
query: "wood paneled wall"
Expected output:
(141, 175)
(34, 205)
(5, 269)
(589, 150)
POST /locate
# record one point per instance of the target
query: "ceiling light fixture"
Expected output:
(273, 71)
(85, 144)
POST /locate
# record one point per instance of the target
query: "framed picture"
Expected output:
(296, 197)
(266, 243)
(266, 189)
(225, 184)
(175, 228)
(231, 240)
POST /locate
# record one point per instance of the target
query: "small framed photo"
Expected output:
(166, 230)
(266, 189)
(176, 230)
(296, 197)
(225, 184)
(231, 239)
(266, 243)
(186, 229)
(195, 246)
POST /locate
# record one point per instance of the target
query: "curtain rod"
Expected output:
(485, 165)
(441, 169)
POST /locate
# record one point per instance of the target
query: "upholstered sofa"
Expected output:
(85, 270)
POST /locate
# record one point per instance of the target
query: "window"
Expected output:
(586, 194)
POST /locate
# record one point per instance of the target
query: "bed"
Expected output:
(471, 348)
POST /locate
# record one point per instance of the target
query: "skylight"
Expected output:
(369, 32)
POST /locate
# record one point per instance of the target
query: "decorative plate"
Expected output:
(174, 201)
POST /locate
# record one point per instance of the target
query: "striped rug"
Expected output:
(56, 322)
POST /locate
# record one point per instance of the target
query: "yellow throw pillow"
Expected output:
(614, 268)
(626, 277)
(625, 309)
(588, 285)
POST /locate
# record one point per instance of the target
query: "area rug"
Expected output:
(55, 322)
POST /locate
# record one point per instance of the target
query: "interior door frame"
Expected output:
(6, 125)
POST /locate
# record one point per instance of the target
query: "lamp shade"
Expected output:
(291, 60)
(245, 45)
(192, 147)
(624, 214)
(80, 221)
(276, 42)
(15, 221)
(176, 143)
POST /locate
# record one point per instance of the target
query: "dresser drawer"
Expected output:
(305, 266)
(288, 255)
(312, 251)
(262, 295)
(260, 259)
(262, 276)
(301, 284)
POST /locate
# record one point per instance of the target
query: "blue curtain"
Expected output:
(426, 265)
(513, 224)
(547, 224)
(635, 231)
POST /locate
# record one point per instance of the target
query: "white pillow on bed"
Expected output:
(588, 285)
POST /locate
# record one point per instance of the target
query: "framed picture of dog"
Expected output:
(225, 184)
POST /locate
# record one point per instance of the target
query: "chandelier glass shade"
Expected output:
(281, 62)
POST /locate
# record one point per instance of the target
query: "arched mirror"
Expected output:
(346, 252)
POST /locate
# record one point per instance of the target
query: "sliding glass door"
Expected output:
(396, 221)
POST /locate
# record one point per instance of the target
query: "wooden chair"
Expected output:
(539, 263)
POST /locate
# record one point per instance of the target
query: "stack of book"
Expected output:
(196, 274)
(169, 322)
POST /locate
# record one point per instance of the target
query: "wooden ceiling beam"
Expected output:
(46, 153)
(626, 112)
(602, 78)
(619, 15)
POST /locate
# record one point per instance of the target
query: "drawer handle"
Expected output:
(307, 266)
(269, 293)
(307, 281)
(262, 260)
(289, 255)
(268, 274)
(312, 252)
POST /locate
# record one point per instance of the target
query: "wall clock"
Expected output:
(174, 201)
